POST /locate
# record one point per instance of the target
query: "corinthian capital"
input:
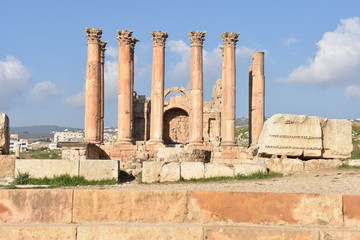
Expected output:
(103, 45)
(159, 38)
(133, 41)
(230, 38)
(124, 37)
(93, 34)
(197, 38)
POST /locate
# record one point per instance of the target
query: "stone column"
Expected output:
(157, 88)
(92, 95)
(229, 88)
(257, 107)
(133, 42)
(102, 90)
(197, 39)
(124, 87)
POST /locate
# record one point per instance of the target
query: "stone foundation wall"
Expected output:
(79, 214)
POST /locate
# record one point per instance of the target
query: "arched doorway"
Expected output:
(176, 126)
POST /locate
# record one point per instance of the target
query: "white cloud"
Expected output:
(43, 91)
(337, 60)
(77, 100)
(112, 52)
(14, 80)
(352, 91)
(289, 41)
(111, 79)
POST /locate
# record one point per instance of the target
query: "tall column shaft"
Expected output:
(157, 88)
(196, 87)
(257, 96)
(124, 87)
(229, 88)
(93, 85)
(102, 91)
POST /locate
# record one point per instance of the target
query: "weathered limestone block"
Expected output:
(291, 135)
(4, 134)
(192, 170)
(285, 165)
(305, 137)
(337, 139)
(7, 166)
(218, 170)
(248, 168)
(354, 162)
(39, 168)
(151, 171)
(99, 169)
(170, 172)
(321, 164)
(130, 206)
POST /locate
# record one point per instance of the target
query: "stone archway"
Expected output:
(176, 126)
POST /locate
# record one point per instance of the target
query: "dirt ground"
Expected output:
(330, 181)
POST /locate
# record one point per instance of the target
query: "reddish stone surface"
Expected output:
(36, 205)
(266, 208)
(352, 210)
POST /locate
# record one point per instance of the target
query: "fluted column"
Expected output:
(229, 88)
(157, 88)
(197, 39)
(93, 82)
(102, 91)
(124, 87)
(257, 107)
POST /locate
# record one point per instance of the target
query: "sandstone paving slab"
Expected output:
(265, 208)
(36, 206)
(39, 168)
(129, 206)
(135, 232)
(38, 232)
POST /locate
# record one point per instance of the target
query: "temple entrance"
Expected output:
(176, 126)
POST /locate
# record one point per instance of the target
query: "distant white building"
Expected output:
(15, 143)
(68, 136)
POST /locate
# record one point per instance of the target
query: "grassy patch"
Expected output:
(41, 154)
(346, 166)
(58, 181)
(254, 176)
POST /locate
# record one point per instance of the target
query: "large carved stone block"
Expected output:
(305, 137)
(4, 134)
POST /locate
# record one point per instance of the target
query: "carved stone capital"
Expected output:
(159, 38)
(93, 34)
(197, 38)
(133, 41)
(103, 45)
(230, 38)
(124, 37)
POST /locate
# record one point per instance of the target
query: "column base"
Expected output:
(125, 141)
(155, 142)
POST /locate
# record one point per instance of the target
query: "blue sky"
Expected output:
(312, 53)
